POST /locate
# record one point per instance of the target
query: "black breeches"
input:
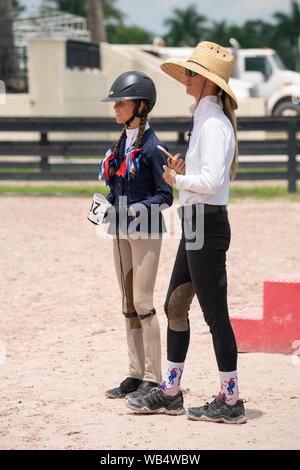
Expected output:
(202, 272)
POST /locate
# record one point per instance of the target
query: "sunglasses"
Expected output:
(190, 73)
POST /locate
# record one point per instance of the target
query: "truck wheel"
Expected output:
(287, 108)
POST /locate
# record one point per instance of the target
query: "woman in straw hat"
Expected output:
(200, 265)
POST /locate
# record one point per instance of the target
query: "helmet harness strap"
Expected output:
(136, 113)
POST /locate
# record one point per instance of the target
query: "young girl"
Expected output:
(204, 190)
(133, 169)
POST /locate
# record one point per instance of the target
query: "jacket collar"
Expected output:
(146, 135)
(133, 133)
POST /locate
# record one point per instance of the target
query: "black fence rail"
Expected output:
(283, 144)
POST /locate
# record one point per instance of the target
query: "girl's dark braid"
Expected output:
(119, 141)
(142, 126)
(113, 169)
(138, 141)
(141, 132)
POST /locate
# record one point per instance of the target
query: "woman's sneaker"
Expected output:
(157, 401)
(130, 384)
(219, 411)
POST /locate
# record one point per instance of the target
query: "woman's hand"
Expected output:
(177, 164)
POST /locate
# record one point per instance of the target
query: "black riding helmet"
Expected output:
(133, 86)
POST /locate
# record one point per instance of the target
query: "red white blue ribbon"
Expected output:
(130, 156)
(105, 165)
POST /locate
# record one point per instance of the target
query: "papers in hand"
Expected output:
(165, 152)
(98, 208)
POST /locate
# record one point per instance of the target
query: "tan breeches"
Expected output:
(136, 263)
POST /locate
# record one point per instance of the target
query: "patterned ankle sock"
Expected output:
(229, 387)
(171, 383)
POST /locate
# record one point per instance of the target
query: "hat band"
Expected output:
(194, 61)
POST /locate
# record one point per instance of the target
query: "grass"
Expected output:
(261, 170)
(74, 170)
(72, 157)
(263, 192)
(53, 190)
(20, 170)
(236, 193)
(38, 170)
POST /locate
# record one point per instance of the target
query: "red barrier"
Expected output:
(276, 328)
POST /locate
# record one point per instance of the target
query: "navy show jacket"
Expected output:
(148, 187)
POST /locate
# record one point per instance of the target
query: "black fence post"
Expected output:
(44, 164)
(181, 139)
(292, 152)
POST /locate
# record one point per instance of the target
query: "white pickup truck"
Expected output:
(264, 69)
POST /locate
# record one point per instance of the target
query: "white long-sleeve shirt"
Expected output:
(209, 156)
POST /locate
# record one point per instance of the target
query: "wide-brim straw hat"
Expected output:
(209, 60)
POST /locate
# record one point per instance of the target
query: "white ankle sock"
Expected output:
(229, 387)
(171, 381)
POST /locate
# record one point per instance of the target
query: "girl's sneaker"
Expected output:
(157, 401)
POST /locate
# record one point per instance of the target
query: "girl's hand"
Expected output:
(168, 175)
(177, 164)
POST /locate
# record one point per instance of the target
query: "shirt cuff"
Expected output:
(178, 180)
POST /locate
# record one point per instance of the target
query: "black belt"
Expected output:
(208, 209)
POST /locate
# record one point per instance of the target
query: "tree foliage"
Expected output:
(79, 7)
(185, 27)
(120, 34)
(17, 9)
(8, 63)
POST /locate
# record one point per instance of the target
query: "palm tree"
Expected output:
(186, 27)
(254, 33)
(95, 16)
(79, 7)
(288, 27)
(109, 11)
(6, 31)
(76, 7)
(95, 10)
(7, 57)
(17, 9)
(219, 33)
(120, 34)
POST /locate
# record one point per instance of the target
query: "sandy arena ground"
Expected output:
(65, 343)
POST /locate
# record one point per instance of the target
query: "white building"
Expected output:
(57, 25)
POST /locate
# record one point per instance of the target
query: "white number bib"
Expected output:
(98, 209)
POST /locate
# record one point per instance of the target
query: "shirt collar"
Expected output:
(132, 133)
(205, 104)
